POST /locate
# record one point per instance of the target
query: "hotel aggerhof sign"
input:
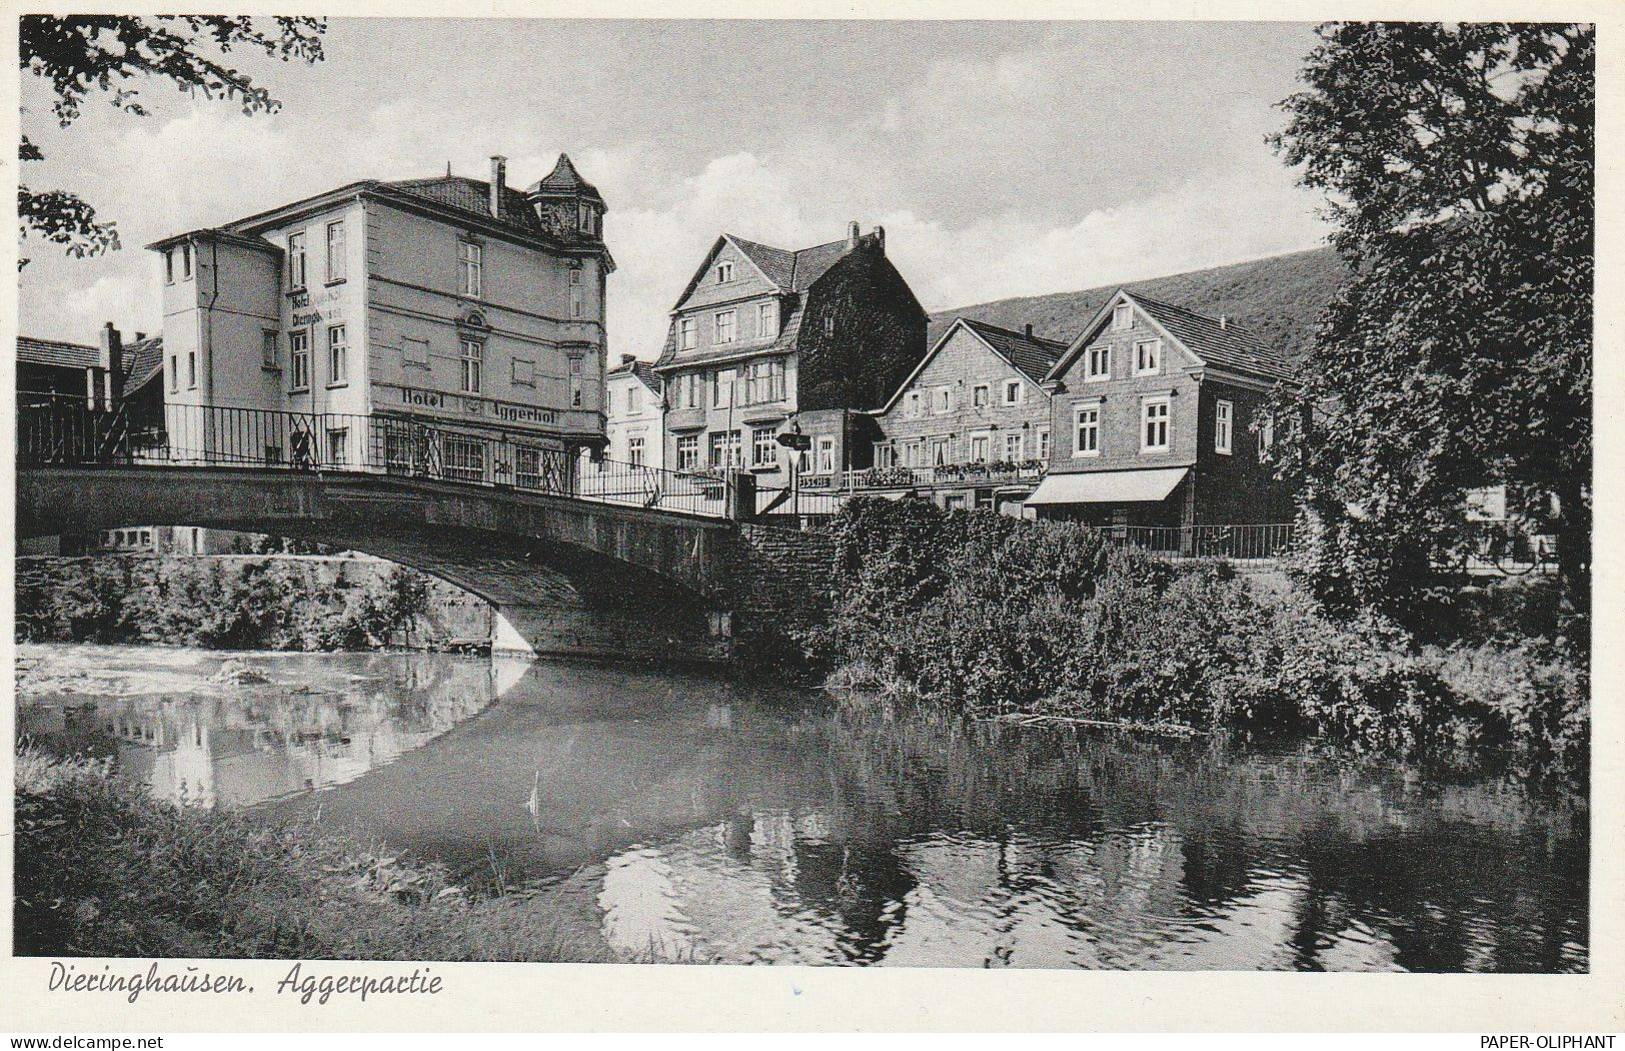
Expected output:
(465, 405)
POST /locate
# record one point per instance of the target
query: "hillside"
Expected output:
(1279, 298)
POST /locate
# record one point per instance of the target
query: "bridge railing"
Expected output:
(204, 436)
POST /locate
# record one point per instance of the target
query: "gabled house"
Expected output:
(765, 340)
(970, 426)
(633, 394)
(1158, 419)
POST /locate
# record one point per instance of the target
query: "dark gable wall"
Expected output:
(1235, 489)
(879, 334)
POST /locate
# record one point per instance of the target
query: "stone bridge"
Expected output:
(567, 576)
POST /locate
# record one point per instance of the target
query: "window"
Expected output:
(978, 448)
(1100, 363)
(687, 334)
(764, 447)
(577, 369)
(1223, 414)
(577, 294)
(978, 395)
(186, 261)
(764, 382)
(1266, 435)
(1154, 432)
(725, 272)
(169, 267)
(270, 350)
(942, 400)
(335, 251)
(725, 449)
(191, 370)
(463, 458)
(911, 454)
(338, 445)
(338, 357)
(296, 260)
(414, 352)
(725, 326)
(688, 452)
(885, 455)
(524, 372)
(829, 325)
(530, 467)
(586, 217)
(634, 451)
(471, 362)
(939, 452)
(767, 320)
(1147, 357)
(1122, 317)
(174, 373)
(826, 454)
(470, 262)
(722, 388)
(916, 405)
(1042, 451)
(1013, 392)
(1087, 418)
(634, 400)
(1012, 447)
(299, 360)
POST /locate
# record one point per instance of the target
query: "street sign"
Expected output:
(799, 442)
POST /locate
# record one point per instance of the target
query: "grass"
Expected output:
(104, 870)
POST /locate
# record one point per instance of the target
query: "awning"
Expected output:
(1108, 487)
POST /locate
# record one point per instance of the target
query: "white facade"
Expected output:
(450, 302)
(636, 416)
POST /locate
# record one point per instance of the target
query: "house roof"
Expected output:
(57, 353)
(564, 179)
(643, 370)
(789, 272)
(1216, 343)
(1030, 355)
(1033, 355)
(144, 362)
(1226, 346)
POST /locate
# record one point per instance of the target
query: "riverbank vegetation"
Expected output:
(216, 603)
(102, 869)
(991, 616)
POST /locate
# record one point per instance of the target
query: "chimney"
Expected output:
(139, 336)
(1224, 322)
(627, 359)
(499, 176)
(880, 236)
(852, 235)
(1029, 328)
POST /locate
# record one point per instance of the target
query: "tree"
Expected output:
(82, 54)
(1459, 160)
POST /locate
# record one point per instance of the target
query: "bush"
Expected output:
(986, 615)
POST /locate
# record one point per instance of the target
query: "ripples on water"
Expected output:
(755, 824)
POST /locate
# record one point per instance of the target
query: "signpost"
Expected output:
(797, 443)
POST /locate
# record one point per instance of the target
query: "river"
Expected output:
(746, 822)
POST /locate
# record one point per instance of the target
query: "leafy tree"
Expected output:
(108, 54)
(1459, 164)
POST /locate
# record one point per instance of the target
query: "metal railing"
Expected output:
(1269, 540)
(219, 436)
(996, 473)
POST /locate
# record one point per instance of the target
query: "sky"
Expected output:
(1002, 158)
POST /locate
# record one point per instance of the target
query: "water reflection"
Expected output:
(749, 823)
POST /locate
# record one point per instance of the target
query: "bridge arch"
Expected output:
(565, 576)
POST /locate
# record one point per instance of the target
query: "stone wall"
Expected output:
(785, 583)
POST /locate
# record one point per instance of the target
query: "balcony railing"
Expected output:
(1270, 540)
(215, 436)
(999, 473)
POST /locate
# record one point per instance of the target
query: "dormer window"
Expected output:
(725, 272)
(586, 217)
